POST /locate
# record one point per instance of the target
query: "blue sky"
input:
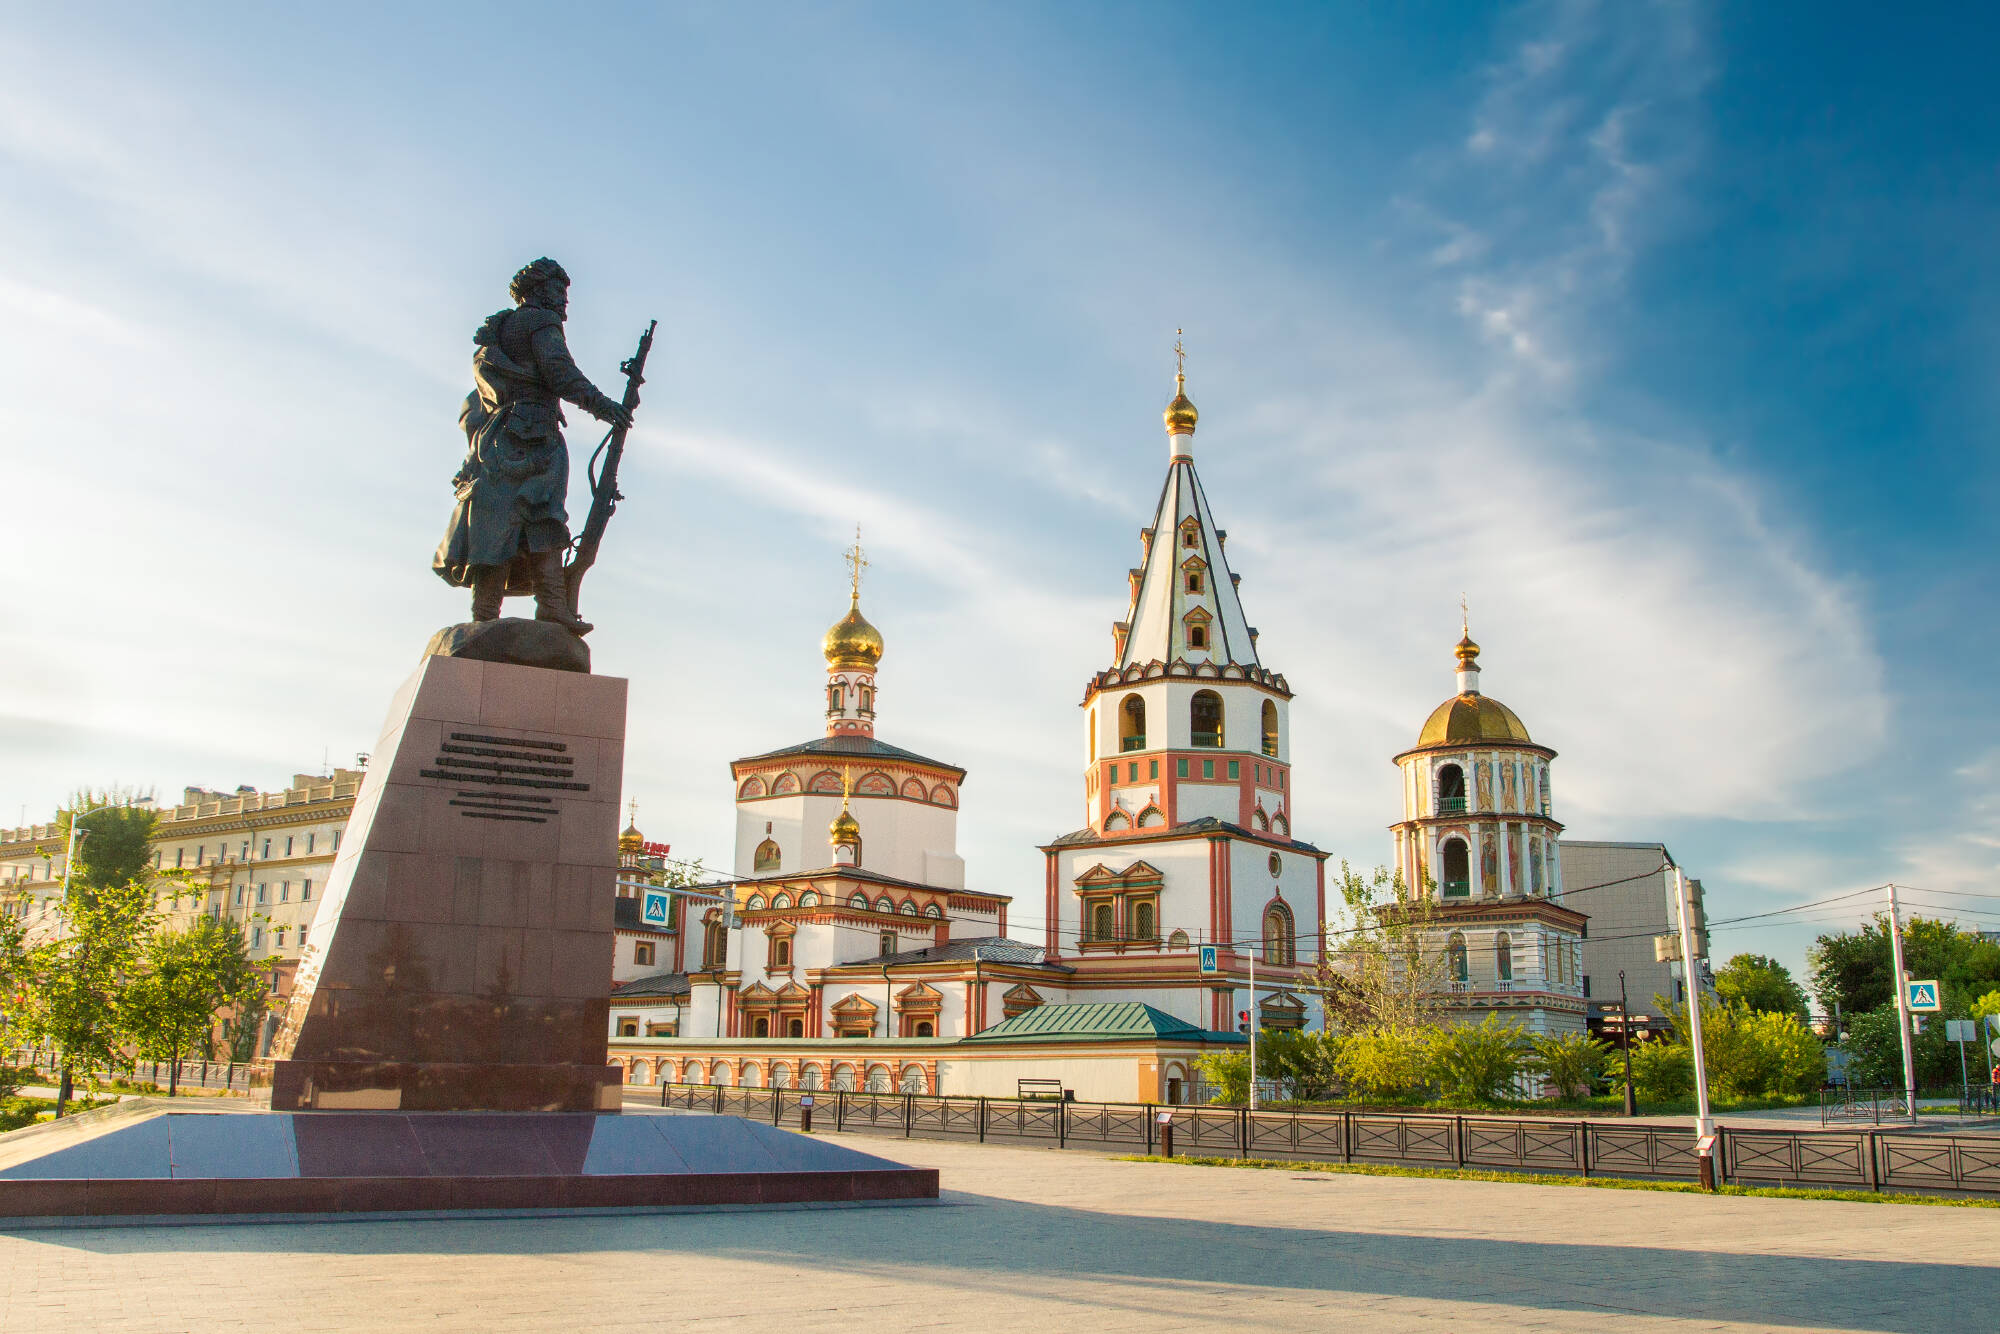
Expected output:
(1663, 332)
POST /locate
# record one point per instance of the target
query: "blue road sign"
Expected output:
(655, 911)
(1208, 960)
(1924, 996)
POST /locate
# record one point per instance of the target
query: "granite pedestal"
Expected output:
(460, 958)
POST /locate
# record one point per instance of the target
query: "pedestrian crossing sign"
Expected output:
(1208, 960)
(655, 910)
(1924, 996)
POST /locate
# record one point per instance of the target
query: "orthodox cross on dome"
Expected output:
(1464, 616)
(632, 811)
(1180, 357)
(857, 561)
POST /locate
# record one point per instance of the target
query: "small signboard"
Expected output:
(805, 1100)
(1164, 1118)
(1667, 948)
(1208, 957)
(1924, 996)
(1960, 1030)
(654, 912)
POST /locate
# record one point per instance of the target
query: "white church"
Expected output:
(852, 953)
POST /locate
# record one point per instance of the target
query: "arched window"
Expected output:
(781, 900)
(834, 691)
(1271, 728)
(809, 899)
(924, 1029)
(810, 1077)
(762, 1029)
(859, 901)
(913, 1075)
(1260, 820)
(754, 902)
(753, 786)
(1503, 956)
(768, 857)
(1100, 921)
(795, 1028)
(1117, 820)
(885, 904)
(1451, 790)
(1279, 945)
(1152, 817)
(784, 783)
(752, 1076)
(825, 781)
(714, 945)
(914, 790)
(781, 1076)
(908, 909)
(1132, 723)
(1461, 970)
(1205, 718)
(781, 953)
(1178, 940)
(1457, 869)
(1145, 920)
(933, 911)
(878, 1079)
(867, 700)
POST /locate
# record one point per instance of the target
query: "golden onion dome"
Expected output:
(1180, 413)
(845, 828)
(1467, 653)
(853, 643)
(1472, 718)
(632, 840)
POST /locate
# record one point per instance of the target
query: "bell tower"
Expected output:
(853, 650)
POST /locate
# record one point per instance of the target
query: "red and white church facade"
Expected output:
(854, 953)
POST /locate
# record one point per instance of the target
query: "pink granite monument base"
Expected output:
(461, 956)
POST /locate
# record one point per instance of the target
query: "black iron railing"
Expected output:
(1855, 1159)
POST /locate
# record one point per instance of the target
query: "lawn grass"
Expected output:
(1604, 1105)
(1552, 1179)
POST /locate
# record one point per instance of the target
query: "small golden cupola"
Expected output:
(1469, 715)
(1180, 415)
(631, 842)
(853, 650)
(844, 833)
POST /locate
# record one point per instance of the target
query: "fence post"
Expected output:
(777, 1105)
(981, 1121)
(1149, 1131)
(663, 1093)
(909, 1113)
(1722, 1154)
(1583, 1146)
(840, 1109)
(1347, 1137)
(1062, 1124)
(1458, 1139)
(1874, 1162)
(1243, 1132)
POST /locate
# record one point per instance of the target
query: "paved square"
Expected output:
(1036, 1239)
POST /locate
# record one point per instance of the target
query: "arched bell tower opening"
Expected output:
(1205, 719)
(1132, 724)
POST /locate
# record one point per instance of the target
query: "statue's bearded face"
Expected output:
(552, 295)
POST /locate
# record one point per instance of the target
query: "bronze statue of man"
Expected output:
(510, 527)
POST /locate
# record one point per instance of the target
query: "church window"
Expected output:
(934, 911)
(642, 952)
(1271, 729)
(1276, 864)
(809, 1077)
(1455, 959)
(1100, 921)
(1178, 940)
(1457, 869)
(1145, 918)
(754, 903)
(908, 909)
(785, 783)
(809, 899)
(885, 904)
(1151, 817)
(878, 1079)
(1117, 820)
(1132, 723)
(1451, 790)
(867, 700)
(827, 781)
(1132, 772)
(1503, 957)
(833, 693)
(924, 1029)
(768, 857)
(1279, 946)
(1233, 769)
(762, 1029)
(843, 1077)
(1181, 769)
(628, 1025)
(1194, 581)
(1190, 536)
(1197, 636)
(859, 901)
(913, 1075)
(781, 953)
(782, 901)
(795, 1028)
(1205, 718)
(888, 944)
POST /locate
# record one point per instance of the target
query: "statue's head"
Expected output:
(541, 283)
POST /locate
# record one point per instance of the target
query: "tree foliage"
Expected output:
(115, 839)
(1227, 1074)
(1475, 1063)
(1856, 968)
(1388, 969)
(1571, 1064)
(1760, 983)
(76, 996)
(1875, 1052)
(187, 978)
(1301, 1062)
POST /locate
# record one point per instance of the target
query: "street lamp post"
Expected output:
(1625, 1036)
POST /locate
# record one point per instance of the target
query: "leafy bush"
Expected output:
(1662, 1071)
(1302, 1062)
(1875, 1051)
(1475, 1062)
(1387, 1063)
(1227, 1074)
(1571, 1064)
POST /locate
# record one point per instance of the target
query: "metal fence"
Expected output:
(1853, 1159)
(194, 1074)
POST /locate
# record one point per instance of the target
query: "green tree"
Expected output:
(1856, 970)
(1388, 967)
(1302, 1062)
(1662, 1071)
(1387, 1063)
(1760, 983)
(188, 977)
(1875, 1051)
(114, 839)
(1571, 1064)
(75, 992)
(1475, 1063)
(1227, 1073)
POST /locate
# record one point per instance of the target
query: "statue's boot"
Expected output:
(552, 594)
(489, 588)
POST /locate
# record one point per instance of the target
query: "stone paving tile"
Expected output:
(1032, 1237)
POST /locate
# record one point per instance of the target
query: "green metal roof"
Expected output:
(1098, 1022)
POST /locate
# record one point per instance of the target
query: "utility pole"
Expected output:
(1625, 1032)
(1903, 1007)
(1253, 1024)
(1704, 1126)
